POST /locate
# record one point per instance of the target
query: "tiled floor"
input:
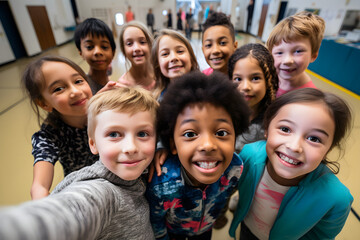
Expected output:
(18, 123)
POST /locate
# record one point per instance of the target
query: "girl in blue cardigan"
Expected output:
(288, 189)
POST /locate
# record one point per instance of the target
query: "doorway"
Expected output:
(41, 23)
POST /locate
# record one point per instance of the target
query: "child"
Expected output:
(294, 43)
(58, 86)
(171, 56)
(252, 68)
(218, 42)
(135, 44)
(96, 45)
(288, 189)
(105, 200)
(199, 119)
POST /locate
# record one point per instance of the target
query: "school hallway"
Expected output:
(18, 123)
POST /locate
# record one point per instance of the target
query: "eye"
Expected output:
(164, 54)
(223, 43)
(58, 89)
(78, 81)
(237, 79)
(180, 51)
(256, 78)
(285, 129)
(314, 139)
(105, 47)
(114, 135)
(221, 133)
(189, 134)
(128, 43)
(208, 45)
(143, 42)
(299, 51)
(89, 47)
(278, 53)
(142, 134)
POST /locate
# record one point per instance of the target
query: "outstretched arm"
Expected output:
(43, 175)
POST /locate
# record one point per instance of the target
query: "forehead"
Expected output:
(133, 118)
(170, 42)
(216, 32)
(307, 115)
(56, 69)
(247, 64)
(93, 37)
(132, 32)
(203, 110)
(291, 43)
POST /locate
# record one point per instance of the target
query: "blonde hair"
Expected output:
(161, 81)
(301, 25)
(128, 100)
(139, 25)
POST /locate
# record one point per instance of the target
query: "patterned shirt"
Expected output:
(66, 144)
(179, 208)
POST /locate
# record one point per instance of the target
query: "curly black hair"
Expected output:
(94, 27)
(196, 87)
(266, 62)
(219, 19)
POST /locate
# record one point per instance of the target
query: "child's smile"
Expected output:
(299, 138)
(204, 140)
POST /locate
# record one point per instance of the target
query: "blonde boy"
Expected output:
(294, 43)
(105, 200)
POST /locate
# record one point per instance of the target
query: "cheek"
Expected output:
(148, 148)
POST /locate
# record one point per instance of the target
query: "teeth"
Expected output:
(206, 165)
(216, 59)
(288, 160)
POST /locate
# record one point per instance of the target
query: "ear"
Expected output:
(314, 56)
(173, 147)
(93, 146)
(44, 105)
(80, 52)
(265, 134)
(235, 44)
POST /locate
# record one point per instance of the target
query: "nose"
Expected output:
(207, 143)
(98, 50)
(216, 49)
(129, 145)
(136, 47)
(288, 59)
(174, 57)
(245, 85)
(295, 144)
(74, 91)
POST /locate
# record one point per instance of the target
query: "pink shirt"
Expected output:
(306, 85)
(208, 71)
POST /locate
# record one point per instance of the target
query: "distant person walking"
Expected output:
(169, 19)
(150, 20)
(250, 10)
(189, 24)
(179, 24)
(129, 15)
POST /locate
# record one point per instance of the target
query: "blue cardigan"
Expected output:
(315, 209)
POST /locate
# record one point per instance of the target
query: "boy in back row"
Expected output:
(294, 43)
(96, 45)
(105, 200)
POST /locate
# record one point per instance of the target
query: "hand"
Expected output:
(160, 157)
(111, 85)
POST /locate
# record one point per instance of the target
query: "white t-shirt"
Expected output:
(265, 206)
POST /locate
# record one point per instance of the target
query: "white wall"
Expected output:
(333, 11)
(271, 17)
(139, 7)
(59, 13)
